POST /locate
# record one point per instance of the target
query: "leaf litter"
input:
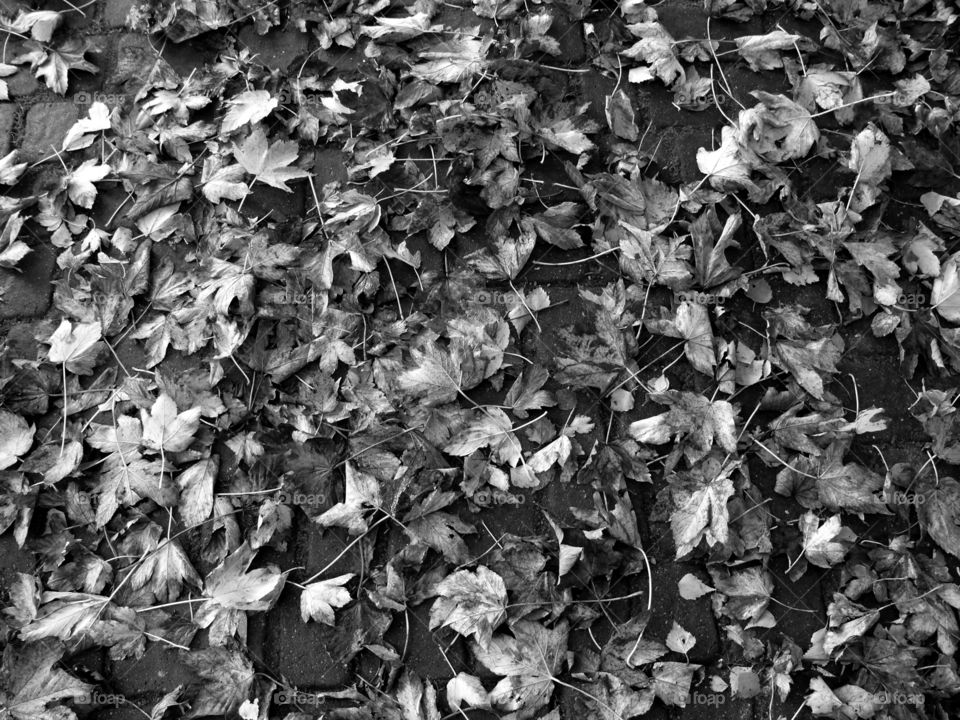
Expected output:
(346, 369)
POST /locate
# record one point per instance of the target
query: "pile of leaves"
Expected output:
(215, 376)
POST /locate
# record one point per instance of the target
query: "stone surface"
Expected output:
(280, 205)
(437, 654)
(675, 149)
(8, 115)
(320, 547)
(277, 49)
(299, 652)
(115, 12)
(47, 124)
(694, 616)
(27, 293)
(12, 560)
(22, 83)
(21, 341)
(329, 165)
(160, 670)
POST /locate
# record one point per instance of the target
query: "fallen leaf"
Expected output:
(269, 164)
(472, 603)
(318, 599)
(250, 107)
(165, 429)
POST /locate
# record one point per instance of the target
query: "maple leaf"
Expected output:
(229, 678)
(870, 160)
(489, 427)
(66, 616)
(672, 680)
(762, 52)
(940, 514)
(40, 23)
(526, 394)
(76, 347)
(318, 599)
(417, 698)
(692, 323)
(16, 438)
(615, 698)
(80, 182)
(691, 415)
(196, 490)
(54, 461)
(945, 297)
(83, 132)
(467, 689)
(223, 181)
(569, 133)
(743, 594)
(52, 65)
(269, 164)
(5, 71)
(809, 361)
(165, 566)
(401, 28)
(439, 530)
(251, 107)
(361, 493)
(12, 250)
(126, 476)
(507, 259)
(553, 453)
(920, 253)
(556, 225)
(472, 603)
(825, 545)
(830, 90)
(32, 683)
(10, 169)
(656, 48)
(454, 60)
(230, 585)
(712, 266)
(164, 429)
(700, 508)
(436, 379)
(777, 129)
(529, 661)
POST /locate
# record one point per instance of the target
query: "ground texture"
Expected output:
(308, 418)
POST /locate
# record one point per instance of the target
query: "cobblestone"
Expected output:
(27, 293)
(47, 124)
(277, 49)
(115, 12)
(8, 114)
